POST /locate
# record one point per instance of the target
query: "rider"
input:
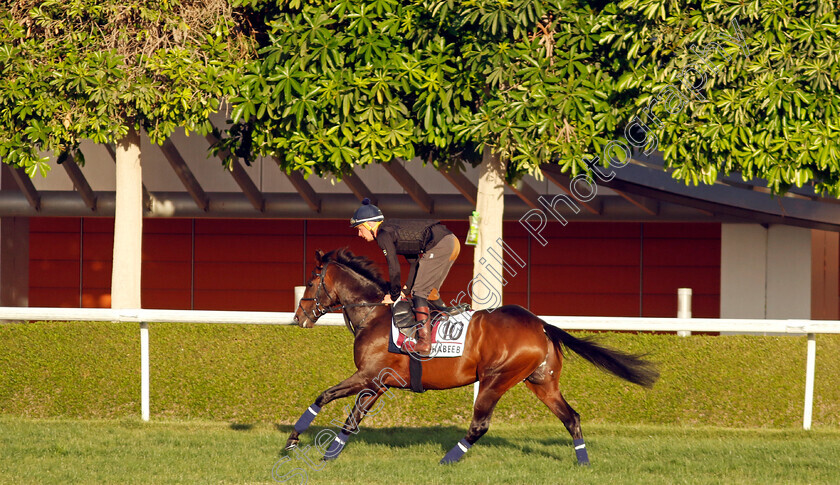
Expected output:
(428, 245)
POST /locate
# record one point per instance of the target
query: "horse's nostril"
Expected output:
(295, 319)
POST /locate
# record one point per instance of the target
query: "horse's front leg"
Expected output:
(362, 406)
(347, 387)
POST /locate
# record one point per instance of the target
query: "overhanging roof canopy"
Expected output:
(641, 191)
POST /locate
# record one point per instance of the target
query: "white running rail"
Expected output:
(146, 316)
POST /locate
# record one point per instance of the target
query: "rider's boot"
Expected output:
(423, 334)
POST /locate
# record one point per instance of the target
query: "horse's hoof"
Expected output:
(291, 445)
(455, 454)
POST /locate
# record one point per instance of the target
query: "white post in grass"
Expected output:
(809, 381)
(298, 295)
(684, 308)
(144, 370)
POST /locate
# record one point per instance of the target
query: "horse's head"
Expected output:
(340, 280)
(318, 297)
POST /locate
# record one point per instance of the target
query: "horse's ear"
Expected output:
(319, 256)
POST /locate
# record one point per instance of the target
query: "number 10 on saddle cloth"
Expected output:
(449, 333)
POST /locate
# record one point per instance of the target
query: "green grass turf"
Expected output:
(267, 373)
(129, 451)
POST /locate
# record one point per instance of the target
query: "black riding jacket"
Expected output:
(411, 238)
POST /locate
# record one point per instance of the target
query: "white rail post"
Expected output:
(810, 362)
(298, 295)
(144, 370)
(684, 308)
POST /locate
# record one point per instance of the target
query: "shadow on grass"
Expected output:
(442, 437)
(241, 426)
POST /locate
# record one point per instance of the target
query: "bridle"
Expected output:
(321, 310)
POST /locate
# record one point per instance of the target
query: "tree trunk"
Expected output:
(128, 224)
(486, 286)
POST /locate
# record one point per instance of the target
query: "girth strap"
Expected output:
(415, 371)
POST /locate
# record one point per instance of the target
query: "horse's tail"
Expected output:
(630, 367)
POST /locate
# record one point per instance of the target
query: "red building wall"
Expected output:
(586, 268)
(55, 262)
(681, 256)
(247, 264)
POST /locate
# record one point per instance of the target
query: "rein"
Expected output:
(350, 326)
(321, 310)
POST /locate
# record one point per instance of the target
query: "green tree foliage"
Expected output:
(346, 82)
(768, 108)
(72, 70)
(342, 83)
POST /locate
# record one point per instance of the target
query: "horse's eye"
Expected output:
(309, 284)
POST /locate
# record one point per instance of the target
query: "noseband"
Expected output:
(321, 310)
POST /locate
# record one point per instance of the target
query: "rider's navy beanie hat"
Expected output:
(366, 213)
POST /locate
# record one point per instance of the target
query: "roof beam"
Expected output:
(147, 197)
(79, 181)
(27, 187)
(304, 189)
(461, 183)
(655, 183)
(647, 205)
(527, 193)
(252, 193)
(170, 151)
(359, 189)
(247, 185)
(410, 185)
(553, 173)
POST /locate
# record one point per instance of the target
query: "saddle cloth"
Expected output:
(449, 333)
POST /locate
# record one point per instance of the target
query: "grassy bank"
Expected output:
(248, 374)
(114, 451)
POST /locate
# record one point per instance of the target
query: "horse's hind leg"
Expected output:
(547, 389)
(489, 393)
(347, 387)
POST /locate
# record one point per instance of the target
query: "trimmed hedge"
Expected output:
(247, 373)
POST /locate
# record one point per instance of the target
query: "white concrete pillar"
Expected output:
(299, 290)
(788, 272)
(743, 270)
(765, 272)
(684, 308)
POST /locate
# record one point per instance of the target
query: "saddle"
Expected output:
(404, 313)
(439, 307)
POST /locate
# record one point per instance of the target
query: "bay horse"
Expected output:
(503, 346)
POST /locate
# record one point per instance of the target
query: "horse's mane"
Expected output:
(361, 265)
